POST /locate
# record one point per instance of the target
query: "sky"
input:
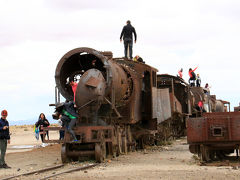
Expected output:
(172, 34)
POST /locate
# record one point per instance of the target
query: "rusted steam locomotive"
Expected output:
(122, 104)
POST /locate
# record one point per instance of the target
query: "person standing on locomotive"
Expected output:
(198, 81)
(126, 33)
(41, 123)
(68, 115)
(192, 76)
(4, 138)
(180, 73)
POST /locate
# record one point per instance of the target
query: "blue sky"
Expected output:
(171, 35)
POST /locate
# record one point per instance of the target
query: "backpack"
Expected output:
(193, 75)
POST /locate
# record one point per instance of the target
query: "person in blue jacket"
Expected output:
(4, 138)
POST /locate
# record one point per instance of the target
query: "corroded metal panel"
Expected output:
(212, 128)
(154, 103)
(163, 105)
(195, 129)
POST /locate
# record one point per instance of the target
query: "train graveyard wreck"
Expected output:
(123, 105)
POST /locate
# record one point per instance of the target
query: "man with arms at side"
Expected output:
(126, 34)
(4, 138)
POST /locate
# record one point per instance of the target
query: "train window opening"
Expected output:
(217, 131)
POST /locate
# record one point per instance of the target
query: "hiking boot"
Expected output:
(6, 166)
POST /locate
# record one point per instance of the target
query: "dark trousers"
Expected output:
(3, 148)
(198, 83)
(128, 43)
(61, 134)
(70, 126)
(41, 135)
(191, 82)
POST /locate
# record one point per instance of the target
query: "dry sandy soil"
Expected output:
(169, 162)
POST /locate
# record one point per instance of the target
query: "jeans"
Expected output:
(3, 148)
(128, 43)
(70, 126)
(61, 134)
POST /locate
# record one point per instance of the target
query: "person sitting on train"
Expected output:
(138, 59)
(206, 89)
(68, 115)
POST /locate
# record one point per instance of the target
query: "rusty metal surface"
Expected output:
(45, 129)
(178, 91)
(163, 105)
(154, 103)
(91, 86)
(218, 127)
(91, 134)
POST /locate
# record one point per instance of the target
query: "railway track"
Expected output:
(54, 171)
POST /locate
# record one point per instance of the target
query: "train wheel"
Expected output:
(64, 156)
(100, 152)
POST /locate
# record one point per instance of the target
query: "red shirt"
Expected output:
(190, 72)
(74, 88)
(180, 74)
(200, 104)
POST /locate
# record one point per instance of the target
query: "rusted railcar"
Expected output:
(121, 104)
(214, 134)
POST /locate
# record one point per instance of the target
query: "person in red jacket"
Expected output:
(74, 87)
(192, 76)
(180, 74)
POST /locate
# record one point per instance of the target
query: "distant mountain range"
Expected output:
(30, 121)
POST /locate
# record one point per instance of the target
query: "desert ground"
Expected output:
(167, 162)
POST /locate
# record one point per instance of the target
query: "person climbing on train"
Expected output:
(198, 82)
(4, 138)
(41, 123)
(180, 73)
(192, 76)
(73, 84)
(68, 115)
(126, 34)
